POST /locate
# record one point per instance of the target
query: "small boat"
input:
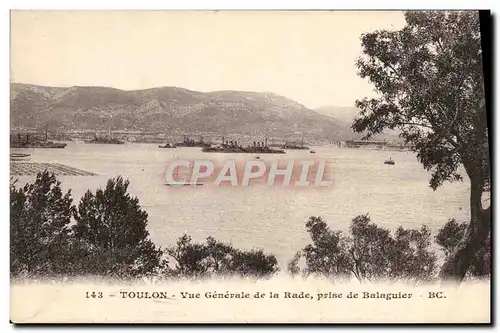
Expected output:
(19, 157)
(390, 161)
(312, 151)
(166, 145)
(257, 157)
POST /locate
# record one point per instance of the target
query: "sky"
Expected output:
(306, 56)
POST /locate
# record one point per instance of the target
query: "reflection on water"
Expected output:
(271, 218)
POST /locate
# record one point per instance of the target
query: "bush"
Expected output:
(111, 234)
(215, 258)
(109, 238)
(39, 227)
(368, 253)
(450, 235)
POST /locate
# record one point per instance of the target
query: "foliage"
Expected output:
(448, 238)
(368, 253)
(429, 80)
(109, 238)
(293, 265)
(215, 258)
(327, 254)
(111, 232)
(39, 228)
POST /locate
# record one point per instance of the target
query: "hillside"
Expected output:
(344, 116)
(169, 109)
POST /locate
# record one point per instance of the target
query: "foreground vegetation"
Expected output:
(106, 235)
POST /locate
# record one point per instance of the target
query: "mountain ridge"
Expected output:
(170, 109)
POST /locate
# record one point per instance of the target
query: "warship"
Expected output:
(33, 142)
(234, 147)
(293, 146)
(105, 140)
(192, 143)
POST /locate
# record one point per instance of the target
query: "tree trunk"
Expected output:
(457, 263)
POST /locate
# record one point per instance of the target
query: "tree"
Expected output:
(429, 80)
(367, 253)
(111, 233)
(328, 254)
(450, 235)
(293, 267)
(189, 258)
(40, 215)
(215, 258)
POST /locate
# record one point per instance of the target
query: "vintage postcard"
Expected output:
(249, 167)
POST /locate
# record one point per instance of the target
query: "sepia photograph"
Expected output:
(220, 166)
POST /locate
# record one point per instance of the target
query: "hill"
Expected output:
(345, 115)
(170, 109)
